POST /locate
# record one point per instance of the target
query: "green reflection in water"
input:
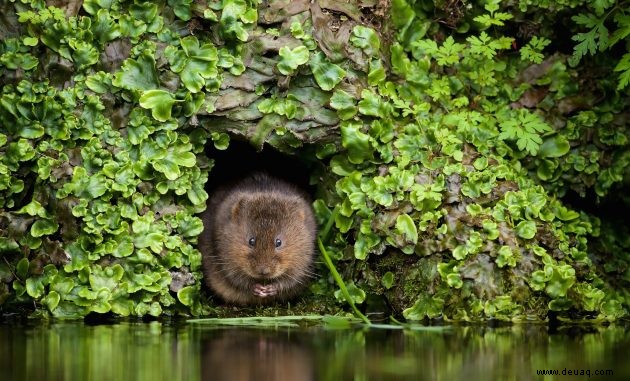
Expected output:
(75, 351)
(155, 351)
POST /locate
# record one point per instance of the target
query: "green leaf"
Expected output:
(376, 73)
(426, 306)
(562, 278)
(486, 46)
(406, 227)
(178, 155)
(613, 309)
(555, 146)
(371, 104)
(624, 67)
(181, 8)
(623, 31)
(533, 50)
(8, 245)
(449, 53)
(525, 129)
(460, 252)
(388, 280)
(197, 195)
(344, 103)
(327, 75)
(139, 74)
(104, 27)
(506, 257)
(97, 186)
(83, 53)
(290, 59)
(356, 142)
(357, 295)
(43, 227)
(160, 102)
(34, 287)
(493, 17)
(15, 60)
(33, 208)
(234, 14)
(105, 278)
(154, 241)
(31, 131)
(61, 284)
(590, 296)
(51, 300)
(21, 268)
(99, 82)
(188, 295)
(196, 63)
(366, 39)
(591, 41)
(526, 229)
(221, 140)
(123, 249)
(454, 280)
(600, 6)
(562, 212)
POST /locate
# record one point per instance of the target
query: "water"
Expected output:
(156, 351)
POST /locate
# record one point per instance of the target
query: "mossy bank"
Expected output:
(460, 142)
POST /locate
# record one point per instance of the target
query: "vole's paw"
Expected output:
(264, 291)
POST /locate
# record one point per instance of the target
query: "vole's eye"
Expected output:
(252, 241)
(278, 242)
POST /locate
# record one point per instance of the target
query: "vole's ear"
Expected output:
(238, 208)
(299, 211)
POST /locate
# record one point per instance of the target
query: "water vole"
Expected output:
(258, 241)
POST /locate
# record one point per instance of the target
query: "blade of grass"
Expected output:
(259, 321)
(278, 321)
(323, 234)
(340, 283)
(418, 327)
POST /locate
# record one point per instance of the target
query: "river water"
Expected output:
(184, 351)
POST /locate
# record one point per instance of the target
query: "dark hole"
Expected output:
(614, 206)
(241, 159)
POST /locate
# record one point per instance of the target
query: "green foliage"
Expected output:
(533, 50)
(443, 160)
(388, 280)
(195, 63)
(292, 58)
(493, 17)
(367, 39)
(344, 103)
(598, 21)
(525, 129)
(327, 74)
(109, 212)
(593, 40)
(138, 74)
(424, 307)
(160, 102)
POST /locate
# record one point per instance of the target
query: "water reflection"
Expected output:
(75, 351)
(155, 351)
(255, 355)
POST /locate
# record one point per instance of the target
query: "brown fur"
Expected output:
(267, 209)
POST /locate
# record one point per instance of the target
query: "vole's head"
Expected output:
(273, 235)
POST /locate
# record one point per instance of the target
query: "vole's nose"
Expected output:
(264, 271)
